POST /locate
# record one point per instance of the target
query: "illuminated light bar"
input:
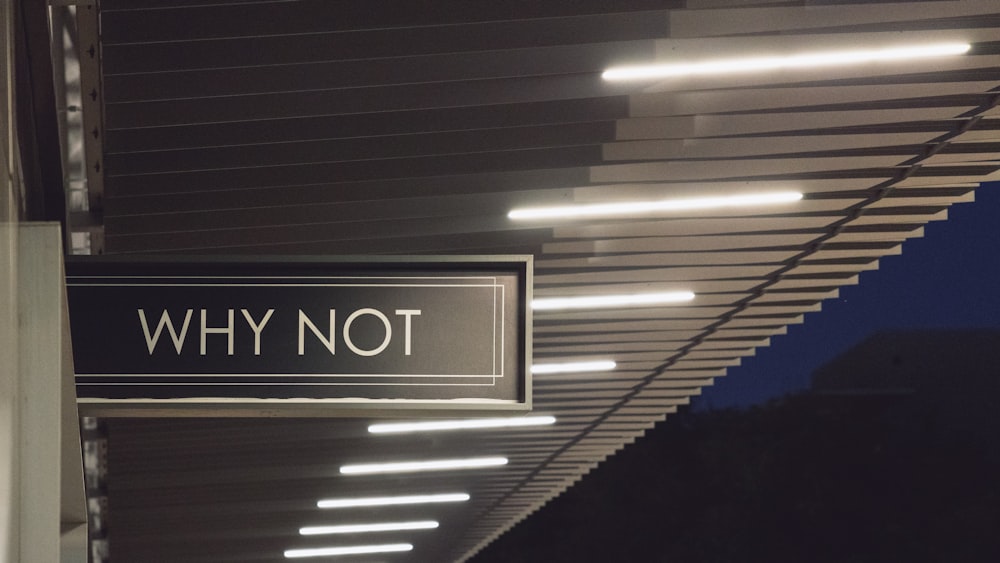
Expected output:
(647, 207)
(364, 528)
(802, 60)
(468, 424)
(414, 466)
(599, 301)
(572, 367)
(392, 501)
(347, 550)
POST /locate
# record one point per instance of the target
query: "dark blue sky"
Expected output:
(949, 278)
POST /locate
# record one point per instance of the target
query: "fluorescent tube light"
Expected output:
(364, 528)
(800, 60)
(599, 301)
(647, 207)
(414, 466)
(347, 550)
(392, 501)
(468, 424)
(570, 367)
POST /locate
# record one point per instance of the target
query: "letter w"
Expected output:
(164, 320)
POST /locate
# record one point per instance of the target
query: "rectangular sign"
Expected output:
(303, 337)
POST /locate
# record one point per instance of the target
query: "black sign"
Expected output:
(386, 333)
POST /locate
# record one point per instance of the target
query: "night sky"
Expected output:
(949, 278)
(811, 477)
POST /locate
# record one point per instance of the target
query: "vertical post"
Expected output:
(10, 206)
(10, 488)
(40, 370)
(44, 513)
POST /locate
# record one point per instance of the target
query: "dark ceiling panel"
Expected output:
(165, 21)
(455, 143)
(190, 80)
(387, 123)
(226, 52)
(189, 111)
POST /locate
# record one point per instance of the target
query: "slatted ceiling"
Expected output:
(958, 158)
(625, 385)
(782, 297)
(359, 230)
(701, 288)
(658, 259)
(680, 47)
(757, 146)
(317, 173)
(672, 313)
(740, 21)
(869, 218)
(702, 125)
(728, 332)
(929, 176)
(986, 124)
(424, 123)
(618, 326)
(987, 135)
(357, 100)
(983, 67)
(723, 169)
(907, 198)
(342, 74)
(393, 133)
(770, 122)
(661, 190)
(689, 103)
(392, 210)
(677, 243)
(792, 283)
(316, 17)
(682, 227)
(344, 150)
(488, 243)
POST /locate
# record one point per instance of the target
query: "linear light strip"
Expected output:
(347, 550)
(414, 466)
(647, 207)
(392, 501)
(467, 424)
(365, 528)
(601, 301)
(572, 367)
(795, 61)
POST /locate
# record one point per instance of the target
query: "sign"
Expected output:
(304, 337)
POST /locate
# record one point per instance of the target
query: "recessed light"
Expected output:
(347, 550)
(391, 501)
(572, 367)
(799, 60)
(600, 301)
(416, 466)
(364, 528)
(649, 207)
(467, 424)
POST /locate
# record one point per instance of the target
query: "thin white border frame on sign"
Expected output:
(521, 266)
(496, 350)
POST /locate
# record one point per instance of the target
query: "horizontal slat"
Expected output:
(700, 23)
